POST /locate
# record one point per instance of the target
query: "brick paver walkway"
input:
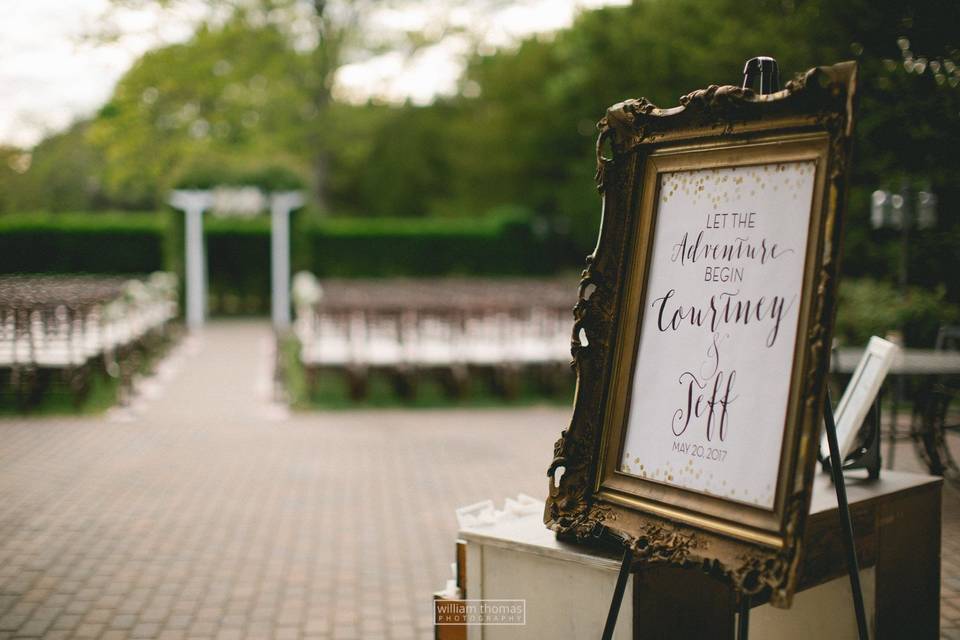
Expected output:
(906, 460)
(205, 516)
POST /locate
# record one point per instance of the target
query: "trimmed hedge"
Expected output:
(238, 250)
(351, 247)
(114, 243)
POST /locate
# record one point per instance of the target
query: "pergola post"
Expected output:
(281, 204)
(193, 203)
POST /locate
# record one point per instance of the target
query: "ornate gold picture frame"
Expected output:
(732, 161)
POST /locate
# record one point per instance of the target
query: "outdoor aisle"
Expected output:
(202, 512)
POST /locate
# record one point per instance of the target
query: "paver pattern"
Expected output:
(208, 514)
(906, 460)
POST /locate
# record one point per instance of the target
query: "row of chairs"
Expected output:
(75, 324)
(407, 338)
(433, 325)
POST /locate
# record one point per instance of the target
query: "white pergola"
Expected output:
(194, 202)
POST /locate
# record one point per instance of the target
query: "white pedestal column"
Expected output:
(193, 203)
(281, 204)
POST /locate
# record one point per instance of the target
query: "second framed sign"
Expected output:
(703, 328)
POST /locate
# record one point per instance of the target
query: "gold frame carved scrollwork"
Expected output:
(812, 117)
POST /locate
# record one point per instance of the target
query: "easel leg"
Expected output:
(743, 618)
(898, 393)
(614, 612)
(853, 566)
(873, 461)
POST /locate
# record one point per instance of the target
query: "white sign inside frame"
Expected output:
(712, 376)
(860, 393)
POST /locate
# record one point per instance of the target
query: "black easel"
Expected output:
(743, 617)
(853, 566)
(618, 594)
(762, 74)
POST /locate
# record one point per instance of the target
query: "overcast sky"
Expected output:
(50, 74)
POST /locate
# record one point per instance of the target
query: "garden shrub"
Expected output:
(869, 307)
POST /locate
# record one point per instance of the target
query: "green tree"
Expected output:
(62, 173)
(528, 137)
(228, 92)
(537, 105)
(908, 132)
(317, 31)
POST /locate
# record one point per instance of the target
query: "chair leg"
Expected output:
(358, 383)
(79, 380)
(404, 383)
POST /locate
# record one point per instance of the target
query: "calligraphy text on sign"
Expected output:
(712, 373)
